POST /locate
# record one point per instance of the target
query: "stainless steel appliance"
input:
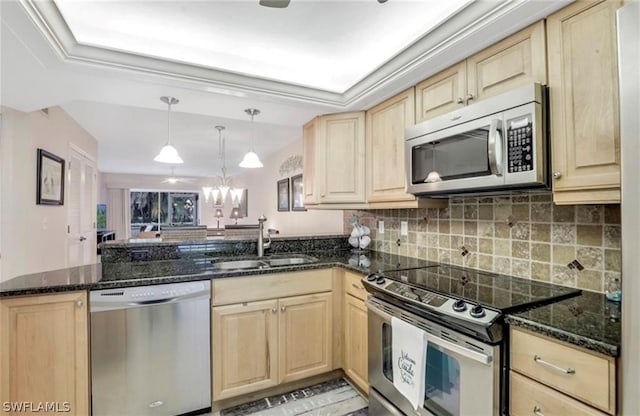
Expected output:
(629, 68)
(150, 349)
(461, 313)
(496, 144)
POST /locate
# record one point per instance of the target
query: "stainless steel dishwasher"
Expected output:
(150, 349)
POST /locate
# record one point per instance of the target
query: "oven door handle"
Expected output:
(494, 147)
(473, 355)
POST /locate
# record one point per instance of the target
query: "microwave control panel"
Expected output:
(520, 145)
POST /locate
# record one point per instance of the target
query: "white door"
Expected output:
(81, 209)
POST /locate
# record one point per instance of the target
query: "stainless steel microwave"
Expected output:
(497, 144)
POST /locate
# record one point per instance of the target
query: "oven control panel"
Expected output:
(457, 308)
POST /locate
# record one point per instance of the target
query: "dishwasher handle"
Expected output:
(152, 302)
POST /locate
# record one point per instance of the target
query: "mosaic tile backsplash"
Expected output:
(523, 235)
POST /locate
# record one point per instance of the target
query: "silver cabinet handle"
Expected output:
(82, 238)
(537, 411)
(283, 308)
(79, 303)
(540, 361)
(274, 309)
(470, 97)
(557, 175)
(355, 286)
(460, 100)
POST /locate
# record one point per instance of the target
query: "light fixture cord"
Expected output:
(221, 150)
(169, 123)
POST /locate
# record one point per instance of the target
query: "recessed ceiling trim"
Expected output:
(471, 29)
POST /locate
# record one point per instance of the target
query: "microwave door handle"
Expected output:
(494, 147)
(447, 345)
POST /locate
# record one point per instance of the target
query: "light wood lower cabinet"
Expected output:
(44, 351)
(355, 334)
(259, 343)
(573, 374)
(305, 336)
(245, 348)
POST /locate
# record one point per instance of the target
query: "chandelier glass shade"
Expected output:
(169, 154)
(224, 186)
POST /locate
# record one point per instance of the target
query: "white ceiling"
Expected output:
(108, 62)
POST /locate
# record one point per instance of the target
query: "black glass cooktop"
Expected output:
(500, 292)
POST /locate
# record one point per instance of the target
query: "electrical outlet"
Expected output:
(380, 227)
(404, 227)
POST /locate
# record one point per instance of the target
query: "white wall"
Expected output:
(34, 237)
(261, 184)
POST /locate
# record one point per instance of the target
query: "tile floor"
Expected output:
(332, 398)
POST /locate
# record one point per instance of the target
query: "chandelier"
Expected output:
(225, 186)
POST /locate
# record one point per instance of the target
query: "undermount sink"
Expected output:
(263, 263)
(240, 264)
(289, 261)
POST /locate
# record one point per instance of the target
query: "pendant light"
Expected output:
(251, 159)
(219, 193)
(433, 176)
(168, 154)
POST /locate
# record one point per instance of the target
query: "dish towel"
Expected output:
(408, 351)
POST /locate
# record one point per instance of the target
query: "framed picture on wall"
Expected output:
(50, 176)
(283, 195)
(297, 196)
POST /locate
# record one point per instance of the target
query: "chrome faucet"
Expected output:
(261, 244)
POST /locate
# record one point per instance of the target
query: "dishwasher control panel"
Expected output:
(108, 299)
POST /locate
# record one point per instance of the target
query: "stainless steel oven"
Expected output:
(496, 144)
(462, 374)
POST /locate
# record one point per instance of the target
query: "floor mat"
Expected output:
(332, 398)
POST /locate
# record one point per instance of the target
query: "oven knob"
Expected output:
(477, 311)
(459, 305)
(372, 277)
(380, 280)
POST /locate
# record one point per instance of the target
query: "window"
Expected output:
(152, 208)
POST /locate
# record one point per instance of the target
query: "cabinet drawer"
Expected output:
(528, 397)
(270, 286)
(585, 376)
(353, 285)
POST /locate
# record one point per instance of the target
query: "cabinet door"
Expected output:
(343, 144)
(517, 60)
(309, 163)
(305, 336)
(441, 93)
(244, 346)
(45, 351)
(386, 123)
(583, 85)
(355, 334)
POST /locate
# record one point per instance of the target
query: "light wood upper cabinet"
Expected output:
(517, 60)
(305, 336)
(45, 351)
(583, 85)
(343, 142)
(333, 155)
(385, 126)
(441, 93)
(245, 348)
(310, 153)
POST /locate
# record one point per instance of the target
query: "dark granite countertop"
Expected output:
(584, 321)
(589, 321)
(143, 273)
